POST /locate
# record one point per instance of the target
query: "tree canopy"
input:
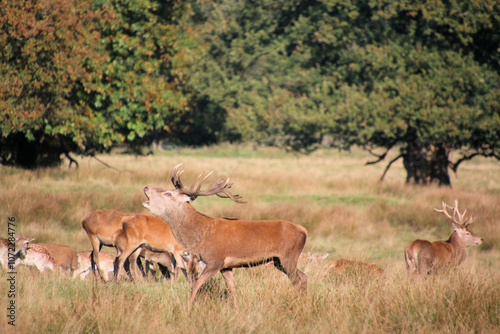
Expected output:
(420, 78)
(85, 76)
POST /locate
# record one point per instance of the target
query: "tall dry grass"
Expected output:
(347, 212)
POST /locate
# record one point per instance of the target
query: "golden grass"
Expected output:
(347, 211)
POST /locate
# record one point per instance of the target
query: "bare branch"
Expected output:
(107, 165)
(381, 156)
(454, 166)
(389, 166)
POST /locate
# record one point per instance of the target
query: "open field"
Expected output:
(346, 210)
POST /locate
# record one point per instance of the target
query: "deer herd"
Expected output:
(177, 238)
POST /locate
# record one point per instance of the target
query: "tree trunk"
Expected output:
(427, 163)
(16, 150)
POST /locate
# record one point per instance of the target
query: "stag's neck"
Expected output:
(188, 225)
(459, 251)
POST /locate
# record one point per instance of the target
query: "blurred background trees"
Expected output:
(418, 78)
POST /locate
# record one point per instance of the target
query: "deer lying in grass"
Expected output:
(339, 265)
(102, 227)
(64, 257)
(312, 259)
(423, 256)
(107, 263)
(12, 249)
(149, 232)
(347, 265)
(224, 244)
(39, 257)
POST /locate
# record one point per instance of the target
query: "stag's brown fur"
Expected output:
(102, 227)
(423, 256)
(224, 244)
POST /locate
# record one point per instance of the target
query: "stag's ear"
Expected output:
(185, 198)
(456, 226)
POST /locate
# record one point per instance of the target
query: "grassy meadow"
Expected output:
(348, 213)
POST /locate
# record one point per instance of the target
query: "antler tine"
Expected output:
(443, 210)
(471, 220)
(200, 184)
(458, 218)
(236, 198)
(175, 176)
(462, 215)
(219, 187)
(215, 188)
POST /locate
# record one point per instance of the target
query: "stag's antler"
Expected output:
(458, 218)
(219, 188)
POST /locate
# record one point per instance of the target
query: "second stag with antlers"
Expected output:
(224, 244)
(424, 256)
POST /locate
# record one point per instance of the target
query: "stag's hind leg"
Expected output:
(229, 279)
(135, 271)
(298, 278)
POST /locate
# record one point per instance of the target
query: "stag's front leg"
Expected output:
(207, 273)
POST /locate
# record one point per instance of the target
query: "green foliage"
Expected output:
(83, 77)
(301, 75)
(51, 62)
(307, 74)
(141, 87)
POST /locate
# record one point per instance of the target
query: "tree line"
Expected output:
(419, 78)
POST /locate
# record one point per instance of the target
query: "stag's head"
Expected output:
(460, 224)
(163, 202)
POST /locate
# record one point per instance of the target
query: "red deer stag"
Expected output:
(150, 232)
(102, 227)
(224, 244)
(423, 256)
